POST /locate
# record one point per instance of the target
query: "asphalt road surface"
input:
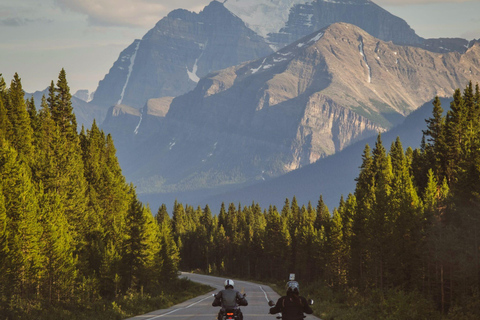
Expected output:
(200, 308)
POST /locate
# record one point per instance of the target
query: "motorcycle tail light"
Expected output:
(229, 314)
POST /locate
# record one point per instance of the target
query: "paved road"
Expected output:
(200, 308)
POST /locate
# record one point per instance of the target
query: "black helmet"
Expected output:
(293, 286)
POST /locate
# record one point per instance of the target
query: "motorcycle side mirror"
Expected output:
(271, 303)
(310, 301)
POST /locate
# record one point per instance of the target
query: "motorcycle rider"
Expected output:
(292, 306)
(229, 298)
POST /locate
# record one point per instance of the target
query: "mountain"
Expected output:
(330, 177)
(276, 114)
(171, 58)
(84, 95)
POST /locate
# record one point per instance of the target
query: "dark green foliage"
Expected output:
(72, 231)
(19, 130)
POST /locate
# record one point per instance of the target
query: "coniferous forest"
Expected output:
(73, 232)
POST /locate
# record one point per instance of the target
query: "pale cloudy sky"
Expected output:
(38, 38)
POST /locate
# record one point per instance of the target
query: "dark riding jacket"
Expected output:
(292, 307)
(229, 298)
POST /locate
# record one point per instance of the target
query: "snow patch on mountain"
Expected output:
(139, 123)
(362, 53)
(193, 74)
(130, 68)
(317, 37)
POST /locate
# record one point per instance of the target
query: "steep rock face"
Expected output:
(172, 57)
(121, 121)
(308, 17)
(111, 89)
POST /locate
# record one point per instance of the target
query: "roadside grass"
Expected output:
(122, 307)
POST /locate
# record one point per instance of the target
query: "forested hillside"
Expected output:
(412, 226)
(72, 231)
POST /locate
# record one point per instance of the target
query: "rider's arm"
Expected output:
(218, 300)
(241, 299)
(306, 306)
(278, 306)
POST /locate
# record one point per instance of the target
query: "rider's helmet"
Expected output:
(229, 283)
(293, 287)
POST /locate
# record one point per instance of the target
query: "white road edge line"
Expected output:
(162, 315)
(264, 293)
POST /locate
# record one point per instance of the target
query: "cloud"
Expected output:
(20, 22)
(409, 2)
(132, 13)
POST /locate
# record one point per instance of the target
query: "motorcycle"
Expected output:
(230, 313)
(272, 304)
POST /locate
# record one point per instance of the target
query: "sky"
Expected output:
(85, 37)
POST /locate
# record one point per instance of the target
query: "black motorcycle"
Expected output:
(230, 313)
(272, 304)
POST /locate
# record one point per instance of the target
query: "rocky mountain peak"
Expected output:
(172, 57)
(307, 17)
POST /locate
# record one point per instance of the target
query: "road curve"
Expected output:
(200, 308)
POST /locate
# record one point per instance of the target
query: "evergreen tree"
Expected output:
(162, 215)
(436, 133)
(59, 262)
(406, 219)
(365, 195)
(377, 222)
(62, 110)
(32, 112)
(277, 246)
(140, 247)
(169, 255)
(23, 259)
(21, 132)
(5, 125)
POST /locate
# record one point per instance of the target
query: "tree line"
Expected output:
(72, 230)
(412, 224)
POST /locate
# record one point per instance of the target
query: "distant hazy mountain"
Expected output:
(171, 58)
(85, 113)
(84, 95)
(267, 117)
